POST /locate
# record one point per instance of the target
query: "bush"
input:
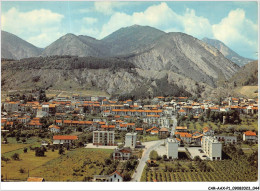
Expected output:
(25, 150)
(5, 159)
(153, 155)
(39, 152)
(61, 151)
(22, 170)
(15, 156)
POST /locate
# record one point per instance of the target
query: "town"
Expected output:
(94, 138)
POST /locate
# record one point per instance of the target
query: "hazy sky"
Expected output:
(40, 23)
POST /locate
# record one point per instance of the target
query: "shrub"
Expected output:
(25, 150)
(5, 159)
(61, 151)
(15, 156)
(22, 170)
(39, 152)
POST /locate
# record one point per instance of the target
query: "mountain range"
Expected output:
(161, 63)
(227, 52)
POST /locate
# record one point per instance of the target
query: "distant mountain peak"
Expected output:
(227, 52)
(13, 47)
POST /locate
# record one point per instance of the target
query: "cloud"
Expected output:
(107, 7)
(90, 20)
(32, 25)
(195, 25)
(163, 17)
(237, 32)
(156, 16)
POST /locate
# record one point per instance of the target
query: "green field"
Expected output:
(246, 124)
(147, 138)
(74, 165)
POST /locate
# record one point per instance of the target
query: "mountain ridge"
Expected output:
(227, 52)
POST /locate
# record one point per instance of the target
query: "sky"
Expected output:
(41, 23)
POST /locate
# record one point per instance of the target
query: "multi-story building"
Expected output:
(172, 148)
(226, 139)
(106, 138)
(130, 140)
(212, 147)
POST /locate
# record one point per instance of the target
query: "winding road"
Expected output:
(149, 146)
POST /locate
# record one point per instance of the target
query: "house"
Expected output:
(122, 154)
(181, 129)
(163, 132)
(35, 123)
(139, 129)
(208, 131)
(35, 179)
(54, 128)
(153, 130)
(182, 112)
(64, 139)
(196, 138)
(114, 177)
(227, 139)
(249, 136)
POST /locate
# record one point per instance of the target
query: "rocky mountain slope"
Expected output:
(73, 45)
(227, 52)
(247, 75)
(129, 39)
(13, 47)
(113, 76)
(185, 55)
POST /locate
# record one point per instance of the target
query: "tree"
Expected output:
(39, 152)
(61, 151)
(15, 156)
(25, 150)
(126, 176)
(108, 162)
(5, 159)
(153, 155)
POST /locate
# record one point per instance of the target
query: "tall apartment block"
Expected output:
(212, 147)
(172, 148)
(105, 138)
(130, 140)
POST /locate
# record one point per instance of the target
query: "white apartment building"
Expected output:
(106, 138)
(212, 147)
(164, 122)
(172, 148)
(226, 139)
(130, 140)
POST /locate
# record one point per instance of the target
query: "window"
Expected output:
(114, 176)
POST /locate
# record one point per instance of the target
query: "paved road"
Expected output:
(149, 146)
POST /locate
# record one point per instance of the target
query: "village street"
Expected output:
(149, 146)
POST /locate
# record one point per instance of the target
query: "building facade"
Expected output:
(105, 138)
(130, 140)
(172, 148)
(212, 147)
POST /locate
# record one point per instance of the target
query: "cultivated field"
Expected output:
(192, 172)
(74, 165)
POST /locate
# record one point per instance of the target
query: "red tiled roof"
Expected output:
(116, 173)
(65, 137)
(250, 133)
(34, 179)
